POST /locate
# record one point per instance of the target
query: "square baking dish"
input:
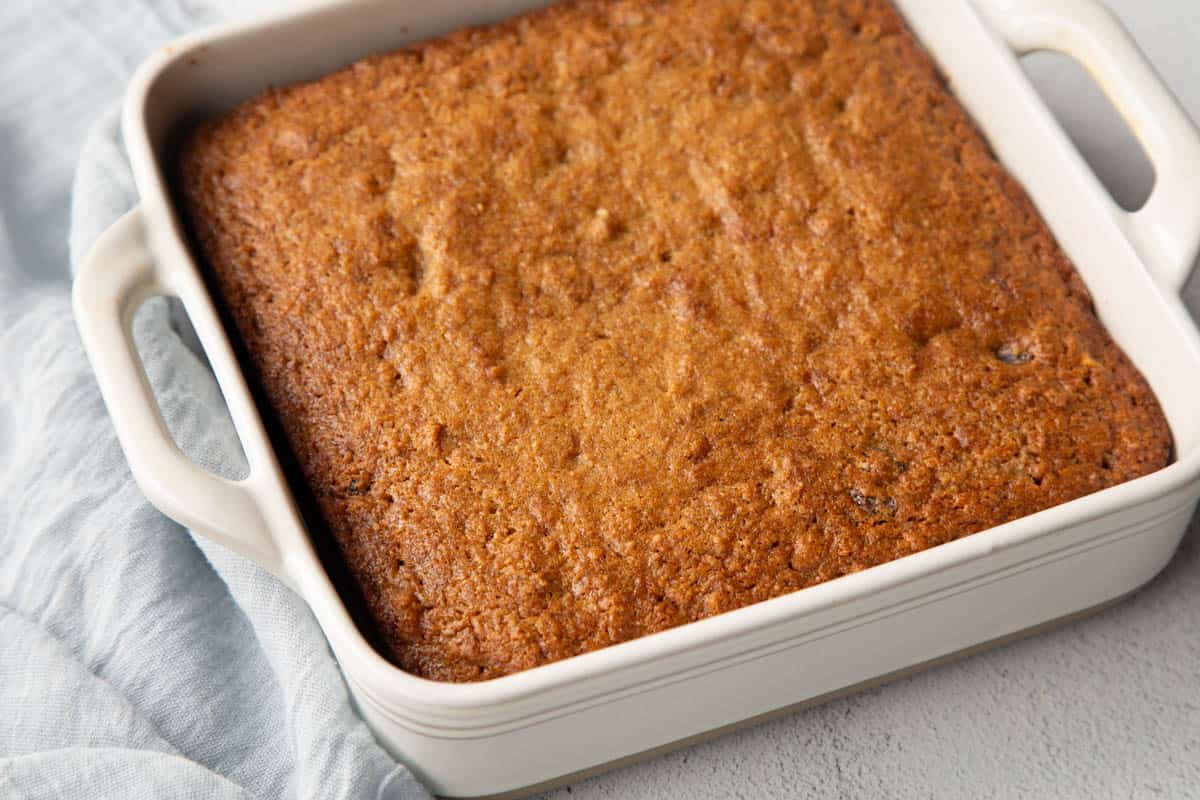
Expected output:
(518, 732)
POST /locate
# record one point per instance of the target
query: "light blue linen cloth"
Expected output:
(135, 662)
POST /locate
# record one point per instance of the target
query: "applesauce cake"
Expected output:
(622, 313)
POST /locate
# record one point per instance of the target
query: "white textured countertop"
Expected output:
(1105, 707)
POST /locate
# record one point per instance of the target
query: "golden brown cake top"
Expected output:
(623, 314)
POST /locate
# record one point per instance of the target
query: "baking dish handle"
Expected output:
(117, 276)
(1166, 230)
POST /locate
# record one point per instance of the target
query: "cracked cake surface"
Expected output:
(622, 314)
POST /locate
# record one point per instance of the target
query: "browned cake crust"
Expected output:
(623, 314)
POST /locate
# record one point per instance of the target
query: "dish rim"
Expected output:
(390, 686)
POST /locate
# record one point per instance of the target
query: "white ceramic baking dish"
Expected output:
(540, 725)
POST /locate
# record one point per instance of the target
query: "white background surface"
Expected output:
(1106, 707)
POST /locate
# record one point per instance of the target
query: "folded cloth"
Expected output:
(135, 660)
